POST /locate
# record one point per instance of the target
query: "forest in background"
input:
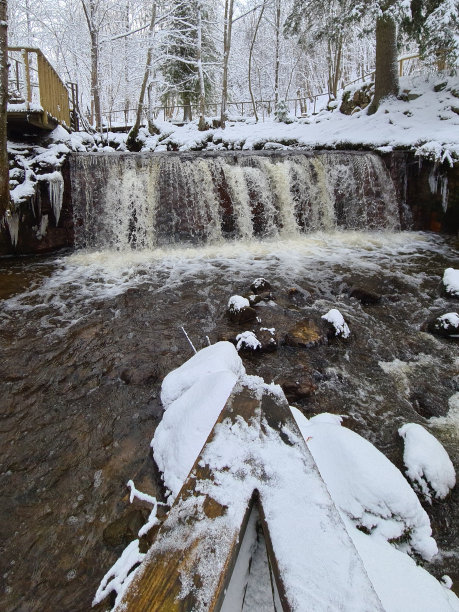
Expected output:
(204, 54)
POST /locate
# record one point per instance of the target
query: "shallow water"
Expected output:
(86, 338)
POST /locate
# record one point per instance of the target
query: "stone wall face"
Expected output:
(37, 230)
(428, 193)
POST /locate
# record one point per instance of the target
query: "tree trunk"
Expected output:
(250, 62)
(277, 58)
(90, 15)
(386, 76)
(131, 142)
(187, 114)
(95, 91)
(4, 169)
(226, 51)
(202, 88)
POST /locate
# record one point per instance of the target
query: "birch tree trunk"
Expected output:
(386, 76)
(90, 14)
(226, 51)
(4, 169)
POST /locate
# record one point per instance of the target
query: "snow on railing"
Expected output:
(35, 86)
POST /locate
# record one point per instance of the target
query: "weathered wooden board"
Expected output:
(247, 460)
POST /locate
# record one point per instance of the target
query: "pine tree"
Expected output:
(190, 49)
(385, 14)
(434, 24)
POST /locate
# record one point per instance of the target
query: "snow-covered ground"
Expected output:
(427, 124)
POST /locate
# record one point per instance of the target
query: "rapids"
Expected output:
(87, 336)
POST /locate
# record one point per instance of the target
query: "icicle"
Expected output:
(444, 192)
(56, 193)
(12, 220)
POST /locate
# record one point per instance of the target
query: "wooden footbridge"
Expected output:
(314, 563)
(36, 94)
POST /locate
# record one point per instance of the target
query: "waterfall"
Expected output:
(146, 200)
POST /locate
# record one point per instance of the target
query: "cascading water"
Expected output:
(87, 337)
(143, 201)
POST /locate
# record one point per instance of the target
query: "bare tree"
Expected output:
(202, 87)
(90, 8)
(4, 171)
(132, 142)
(252, 44)
(228, 24)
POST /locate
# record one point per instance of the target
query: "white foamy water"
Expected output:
(77, 280)
(147, 200)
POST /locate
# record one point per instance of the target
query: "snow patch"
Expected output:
(237, 303)
(427, 463)
(334, 317)
(451, 281)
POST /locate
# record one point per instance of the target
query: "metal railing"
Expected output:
(299, 106)
(35, 86)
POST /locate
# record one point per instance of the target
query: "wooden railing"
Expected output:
(35, 86)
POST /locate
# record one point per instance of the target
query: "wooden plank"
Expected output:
(160, 584)
(28, 84)
(191, 561)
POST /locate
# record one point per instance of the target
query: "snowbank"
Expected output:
(365, 485)
(427, 463)
(193, 397)
(427, 124)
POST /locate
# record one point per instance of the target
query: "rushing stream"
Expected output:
(87, 337)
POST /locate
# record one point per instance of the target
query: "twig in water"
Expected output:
(187, 337)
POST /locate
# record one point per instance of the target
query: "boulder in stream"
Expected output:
(446, 326)
(239, 310)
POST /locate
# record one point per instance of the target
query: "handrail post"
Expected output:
(25, 55)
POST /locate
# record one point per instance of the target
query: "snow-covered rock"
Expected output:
(427, 463)
(334, 317)
(239, 309)
(451, 282)
(365, 485)
(247, 341)
(446, 325)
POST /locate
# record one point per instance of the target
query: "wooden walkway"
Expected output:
(36, 94)
(253, 455)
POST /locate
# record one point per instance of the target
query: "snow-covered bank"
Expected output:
(425, 121)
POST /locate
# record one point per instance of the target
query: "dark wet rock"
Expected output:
(307, 334)
(407, 96)
(260, 285)
(446, 326)
(140, 371)
(440, 86)
(125, 528)
(299, 385)
(256, 298)
(268, 340)
(239, 311)
(357, 99)
(365, 296)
